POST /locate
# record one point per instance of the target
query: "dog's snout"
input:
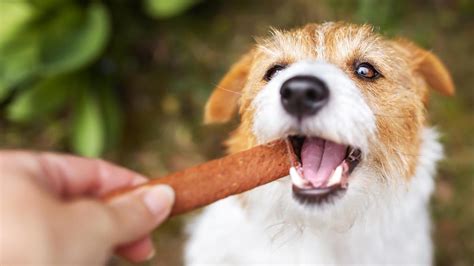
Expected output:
(303, 95)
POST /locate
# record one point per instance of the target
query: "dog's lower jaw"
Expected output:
(393, 228)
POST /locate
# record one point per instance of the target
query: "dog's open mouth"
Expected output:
(321, 168)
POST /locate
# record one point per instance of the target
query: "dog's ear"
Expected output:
(223, 102)
(435, 73)
(430, 68)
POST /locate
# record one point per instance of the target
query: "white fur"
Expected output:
(346, 118)
(374, 223)
(321, 37)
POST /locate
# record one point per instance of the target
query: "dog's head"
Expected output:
(351, 102)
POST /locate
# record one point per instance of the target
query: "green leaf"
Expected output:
(18, 44)
(73, 41)
(44, 98)
(14, 15)
(88, 136)
(18, 61)
(167, 8)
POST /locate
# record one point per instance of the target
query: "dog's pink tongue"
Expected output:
(319, 159)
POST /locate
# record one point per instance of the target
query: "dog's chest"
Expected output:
(223, 234)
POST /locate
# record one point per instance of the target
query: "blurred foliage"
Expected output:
(47, 51)
(44, 44)
(129, 79)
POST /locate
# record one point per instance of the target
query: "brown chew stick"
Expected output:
(214, 180)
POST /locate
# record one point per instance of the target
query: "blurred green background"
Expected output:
(127, 81)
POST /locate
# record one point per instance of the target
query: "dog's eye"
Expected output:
(366, 70)
(271, 72)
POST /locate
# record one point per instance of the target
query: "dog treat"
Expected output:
(214, 180)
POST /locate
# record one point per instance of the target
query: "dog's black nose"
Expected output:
(303, 95)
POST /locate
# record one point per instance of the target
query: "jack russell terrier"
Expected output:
(353, 104)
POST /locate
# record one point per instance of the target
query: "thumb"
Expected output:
(119, 221)
(137, 213)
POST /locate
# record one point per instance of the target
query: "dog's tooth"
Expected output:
(297, 179)
(336, 176)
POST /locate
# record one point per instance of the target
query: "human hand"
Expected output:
(50, 212)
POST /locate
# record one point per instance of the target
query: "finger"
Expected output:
(69, 175)
(137, 251)
(78, 175)
(136, 214)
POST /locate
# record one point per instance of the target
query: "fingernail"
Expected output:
(159, 199)
(151, 254)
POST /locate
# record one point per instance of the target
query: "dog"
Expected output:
(353, 104)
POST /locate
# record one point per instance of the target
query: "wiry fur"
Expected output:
(383, 216)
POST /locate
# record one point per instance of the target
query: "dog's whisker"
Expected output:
(273, 225)
(393, 116)
(231, 91)
(408, 154)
